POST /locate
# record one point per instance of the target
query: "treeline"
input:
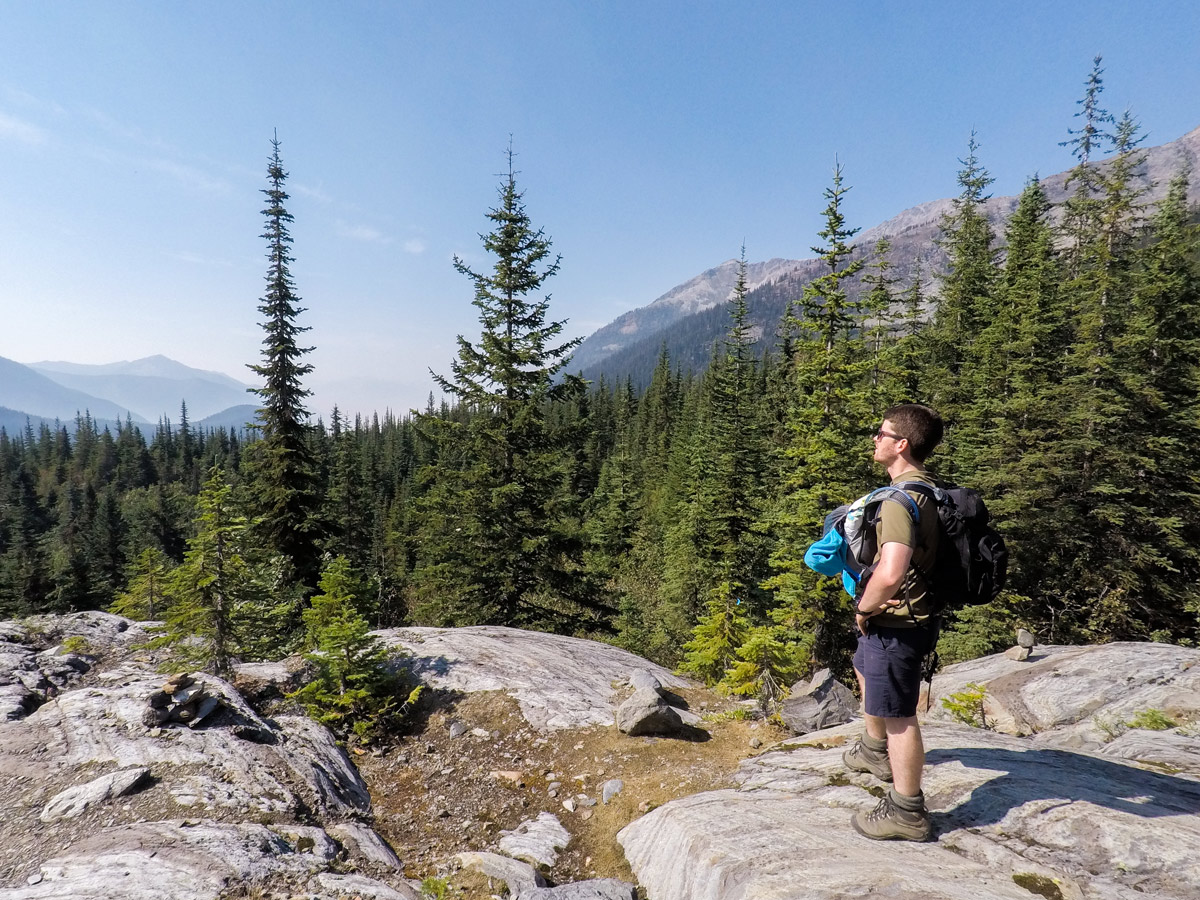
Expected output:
(1064, 354)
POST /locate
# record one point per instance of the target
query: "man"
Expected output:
(895, 633)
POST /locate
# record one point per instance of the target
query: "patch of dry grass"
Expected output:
(654, 771)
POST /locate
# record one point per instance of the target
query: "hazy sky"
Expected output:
(653, 138)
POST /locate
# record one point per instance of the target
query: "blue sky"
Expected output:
(652, 139)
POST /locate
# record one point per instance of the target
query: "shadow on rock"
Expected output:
(1030, 776)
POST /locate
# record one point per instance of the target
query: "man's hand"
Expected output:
(861, 621)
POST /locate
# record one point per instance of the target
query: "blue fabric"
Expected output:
(848, 582)
(828, 557)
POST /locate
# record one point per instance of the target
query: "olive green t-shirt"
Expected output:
(896, 525)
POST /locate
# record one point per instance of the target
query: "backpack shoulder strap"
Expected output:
(897, 493)
(934, 492)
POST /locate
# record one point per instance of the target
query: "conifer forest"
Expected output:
(1062, 349)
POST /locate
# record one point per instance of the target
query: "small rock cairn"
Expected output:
(1024, 646)
(182, 699)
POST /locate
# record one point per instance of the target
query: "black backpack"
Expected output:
(972, 561)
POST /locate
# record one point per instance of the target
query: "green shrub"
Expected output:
(354, 692)
(1152, 720)
(967, 705)
(435, 888)
(77, 643)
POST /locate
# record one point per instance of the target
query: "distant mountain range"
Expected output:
(143, 391)
(689, 318)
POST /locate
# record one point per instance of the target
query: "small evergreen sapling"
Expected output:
(353, 692)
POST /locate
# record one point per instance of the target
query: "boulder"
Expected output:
(595, 889)
(537, 840)
(645, 712)
(271, 680)
(642, 679)
(559, 682)
(517, 876)
(1010, 818)
(366, 845)
(822, 702)
(16, 701)
(611, 788)
(1019, 653)
(359, 887)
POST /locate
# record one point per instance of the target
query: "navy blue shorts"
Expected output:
(889, 660)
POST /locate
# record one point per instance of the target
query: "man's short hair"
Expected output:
(921, 425)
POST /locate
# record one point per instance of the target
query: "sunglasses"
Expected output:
(881, 434)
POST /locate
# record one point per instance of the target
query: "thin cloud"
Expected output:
(189, 176)
(196, 259)
(19, 97)
(363, 233)
(19, 130)
(415, 246)
(313, 193)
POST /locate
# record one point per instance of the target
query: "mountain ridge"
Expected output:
(630, 344)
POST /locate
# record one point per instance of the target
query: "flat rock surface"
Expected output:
(560, 682)
(170, 860)
(1081, 697)
(1006, 813)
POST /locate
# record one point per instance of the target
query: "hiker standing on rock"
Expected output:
(895, 631)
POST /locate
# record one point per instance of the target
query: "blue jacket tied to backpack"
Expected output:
(847, 545)
(972, 560)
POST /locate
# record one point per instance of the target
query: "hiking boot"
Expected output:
(891, 821)
(868, 756)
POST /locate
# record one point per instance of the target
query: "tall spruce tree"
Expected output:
(1011, 424)
(497, 543)
(727, 499)
(1092, 138)
(1160, 349)
(963, 305)
(285, 480)
(827, 459)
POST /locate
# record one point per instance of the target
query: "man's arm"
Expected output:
(886, 580)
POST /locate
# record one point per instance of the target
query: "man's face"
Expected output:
(886, 441)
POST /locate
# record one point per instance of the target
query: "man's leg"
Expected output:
(870, 752)
(874, 725)
(907, 753)
(901, 814)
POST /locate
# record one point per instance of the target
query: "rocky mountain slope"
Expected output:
(687, 319)
(515, 775)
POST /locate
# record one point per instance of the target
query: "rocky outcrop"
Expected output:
(560, 682)
(1081, 801)
(1013, 816)
(1078, 697)
(106, 797)
(1006, 815)
(190, 860)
